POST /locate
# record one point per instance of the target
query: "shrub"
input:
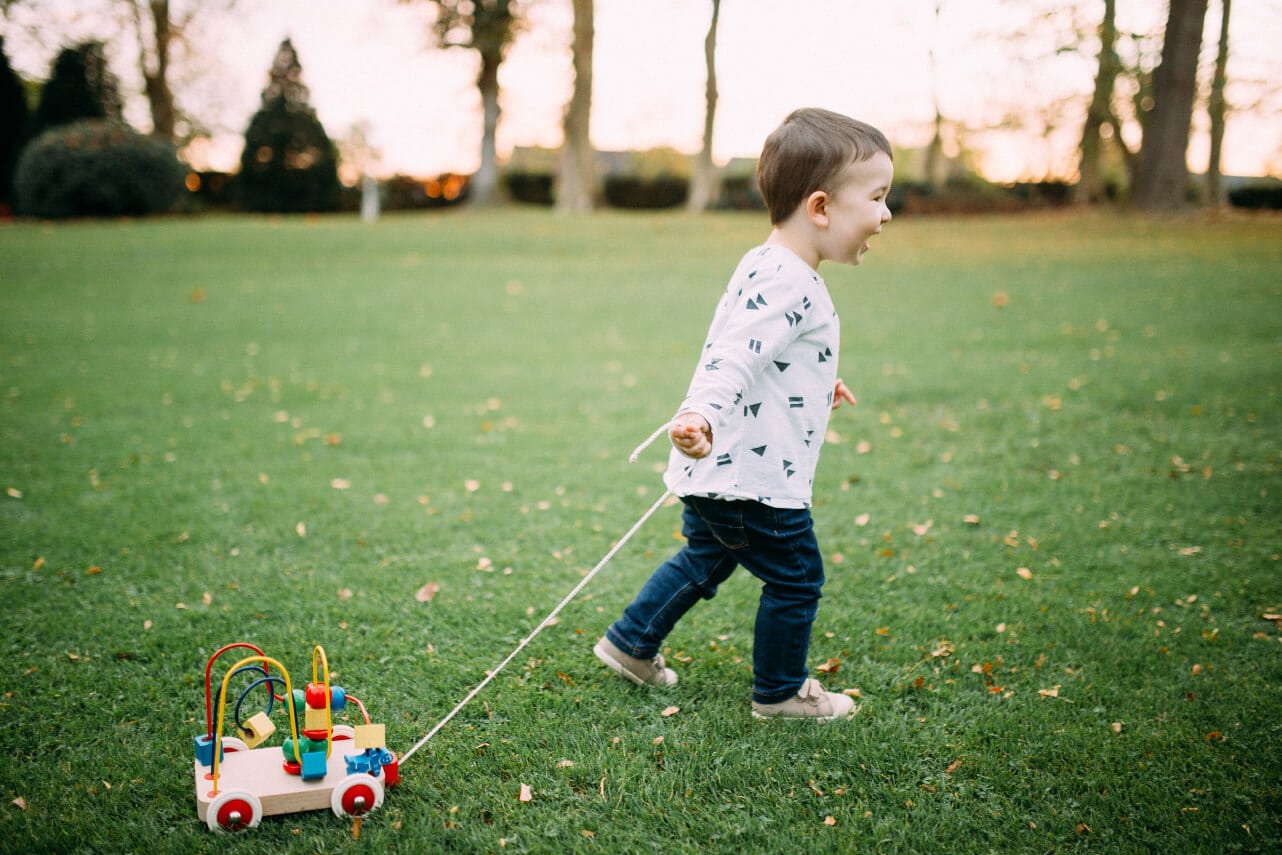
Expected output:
(96, 168)
(533, 188)
(631, 191)
(1260, 196)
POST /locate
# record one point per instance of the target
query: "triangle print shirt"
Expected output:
(765, 383)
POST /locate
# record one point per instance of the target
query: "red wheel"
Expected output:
(356, 795)
(234, 810)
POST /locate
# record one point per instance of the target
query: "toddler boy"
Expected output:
(746, 438)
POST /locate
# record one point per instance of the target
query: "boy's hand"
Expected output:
(691, 435)
(841, 393)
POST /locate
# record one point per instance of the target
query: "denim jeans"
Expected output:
(778, 546)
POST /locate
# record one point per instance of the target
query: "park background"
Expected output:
(1051, 526)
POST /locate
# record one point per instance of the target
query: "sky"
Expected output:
(371, 63)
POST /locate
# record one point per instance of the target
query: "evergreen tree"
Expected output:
(13, 118)
(289, 163)
(80, 86)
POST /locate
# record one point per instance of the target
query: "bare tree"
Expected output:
(1217, 109)
(576, 190)
(1162, 180)
(1099, 113)
(703, 186)
(487, 27)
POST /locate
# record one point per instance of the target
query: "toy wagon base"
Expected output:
(260, 773)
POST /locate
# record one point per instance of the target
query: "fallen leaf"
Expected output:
(971, 519)
(670, 711)
(345, 594)
(1052, 692)
(564, 764)
(340, 484)
(1024, 573)
(862, 520)
(1116, 727)
(832, 666)
(588, 834)
(20, 803)
(301, 528)
(952, 767)
(658, 740)
(333, 439)
(829, 820)
(426, 592)
(94, 570)
(525, 795)
(920, 530)
(146, 624)
(472, 485)
(1000, 300)
(206, 598)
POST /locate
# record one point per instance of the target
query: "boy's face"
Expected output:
(856, 209)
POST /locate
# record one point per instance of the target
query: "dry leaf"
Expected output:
(426, 592)
(40, 562)
(472, 485)
(1117, 727)
(14, 493)
(971, 519)
(525, 795)
(658, 740)
(301, 528)
(1024, 573)
(670, 711)
(564, 764)
(94, 570)
(1052, 692)
(588, 834)
(830, 820)
(952, 767)
(832, 666)
(340, 484)
(862, 520)
(345, 594)
(20, 803)
(207, 598)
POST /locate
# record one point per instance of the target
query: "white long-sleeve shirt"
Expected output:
(765, 384)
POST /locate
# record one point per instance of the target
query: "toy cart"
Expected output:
(238, 783)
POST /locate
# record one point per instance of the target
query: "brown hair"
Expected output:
(807, 153)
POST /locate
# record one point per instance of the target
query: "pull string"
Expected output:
(636, 452)
(551, 615)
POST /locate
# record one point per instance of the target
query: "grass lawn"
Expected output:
(1052, 529)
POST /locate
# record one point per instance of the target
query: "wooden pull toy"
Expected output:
(238, 782)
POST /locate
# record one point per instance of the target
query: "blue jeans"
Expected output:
(778, 546)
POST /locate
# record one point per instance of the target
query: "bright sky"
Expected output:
(371, 63)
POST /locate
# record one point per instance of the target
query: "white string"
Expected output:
(632, 458)
(545, 622)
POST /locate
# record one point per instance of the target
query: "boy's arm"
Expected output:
(842, 393)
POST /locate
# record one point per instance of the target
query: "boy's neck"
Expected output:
(791, 237)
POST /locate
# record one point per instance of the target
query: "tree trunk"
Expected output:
(484, 187)
(1090, 181)
(703, 185)
(1162, 182)
(576, 192)
(153, 62)
(1217, 108)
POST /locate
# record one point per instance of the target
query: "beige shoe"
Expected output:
(643, 672)
(812, 702)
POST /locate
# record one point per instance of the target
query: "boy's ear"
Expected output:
(817, 208)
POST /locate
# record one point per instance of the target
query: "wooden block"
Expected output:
(371, 736)
(316, 720)
(257, 729)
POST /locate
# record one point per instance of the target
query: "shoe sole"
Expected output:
(823, 719)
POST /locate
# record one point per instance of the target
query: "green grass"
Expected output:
(178, 400)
